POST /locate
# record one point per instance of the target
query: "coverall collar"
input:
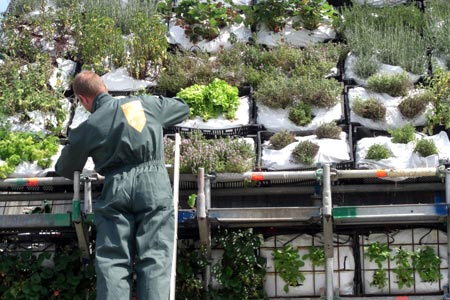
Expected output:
(100, 100)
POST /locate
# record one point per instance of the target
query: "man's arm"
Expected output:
(173, 111)
(73, 156)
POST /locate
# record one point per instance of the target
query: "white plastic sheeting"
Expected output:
(393, 118)
(242, 118)
(330, 151)
(385, 69)
(403, 155)
(277, 119)
(294, 37)
(120, 80)
(177, 36)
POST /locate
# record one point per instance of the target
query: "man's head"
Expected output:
(87, 86)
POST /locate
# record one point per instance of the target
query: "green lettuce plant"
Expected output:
(212, 100)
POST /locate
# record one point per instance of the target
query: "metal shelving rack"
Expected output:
(78, 216)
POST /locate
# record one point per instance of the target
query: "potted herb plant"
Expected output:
(296, 23)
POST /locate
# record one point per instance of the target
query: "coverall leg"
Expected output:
(135, 216)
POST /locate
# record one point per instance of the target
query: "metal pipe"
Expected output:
(201, 201)
(295, 190)
(35, 181)
(259, 176)
(35, 197)
(207, 190)
(176, 187)
(380, 173)
(87, 196)
(328, 232)
(76, 185)
(447, 201)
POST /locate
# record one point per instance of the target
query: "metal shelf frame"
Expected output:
(326, 215)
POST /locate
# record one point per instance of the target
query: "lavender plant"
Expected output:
(222, 155)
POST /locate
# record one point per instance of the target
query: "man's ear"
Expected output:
(85, 102)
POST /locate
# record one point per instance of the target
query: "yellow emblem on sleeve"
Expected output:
(134, 113)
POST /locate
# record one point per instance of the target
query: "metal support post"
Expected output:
(208, 233)
(328, 232)
(176, 193)
(203, 225)
(447, 201)
(87, 196)
(83, 241)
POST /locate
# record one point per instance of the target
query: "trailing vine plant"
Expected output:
(241, 271)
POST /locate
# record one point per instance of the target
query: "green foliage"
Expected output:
(378, 152)
(17, 147)
(277, 91)
(100, 43)
(184, 69)
(305, 152)
(204, 19)
(437, 29)
(316, 255)
(403, 135)
(190, 263)
(427, 263)
(191, 200)
(287, 263)
(439, 85)
(281, 139)
(415, 104)
(390, 35)
(322, 92)
(275, 14)
(300, 114)
(425, 147)
(17, 38)
(329, 131)
(393, 84)
(223, 155)
(25, 276)
(24, 88)
(240, 272)
(379, 278)
(366, 65)
(378, 253)
(272, 13)
(404, 269)
(313, 12)
(147, 45)
(212, 100)
(369, 108)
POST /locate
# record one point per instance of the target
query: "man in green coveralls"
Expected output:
(134, 215)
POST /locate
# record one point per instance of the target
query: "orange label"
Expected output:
(32, 181)
(381, 173)
(257, 177)
(401, 298)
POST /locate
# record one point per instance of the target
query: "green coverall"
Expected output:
(134, 215)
